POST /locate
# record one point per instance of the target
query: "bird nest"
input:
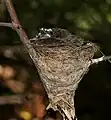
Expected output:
(62, 59)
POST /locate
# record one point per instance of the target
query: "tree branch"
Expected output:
(12, 12)
(103, 58)
(15, 22)
(6, 24)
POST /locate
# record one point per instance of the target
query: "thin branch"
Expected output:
(14, 99)
(12, 12)
(15, 21)
(3, 24)
(101, 59)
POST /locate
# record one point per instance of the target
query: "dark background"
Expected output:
(90, 19)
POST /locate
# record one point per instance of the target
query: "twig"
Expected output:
(101, 59)
(6, 24)
(15, 22)
(14, 99)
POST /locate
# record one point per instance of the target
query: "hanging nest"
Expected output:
(62, 59)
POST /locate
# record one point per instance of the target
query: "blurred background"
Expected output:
(90, 19)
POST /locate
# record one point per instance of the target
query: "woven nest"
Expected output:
(62, 59)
